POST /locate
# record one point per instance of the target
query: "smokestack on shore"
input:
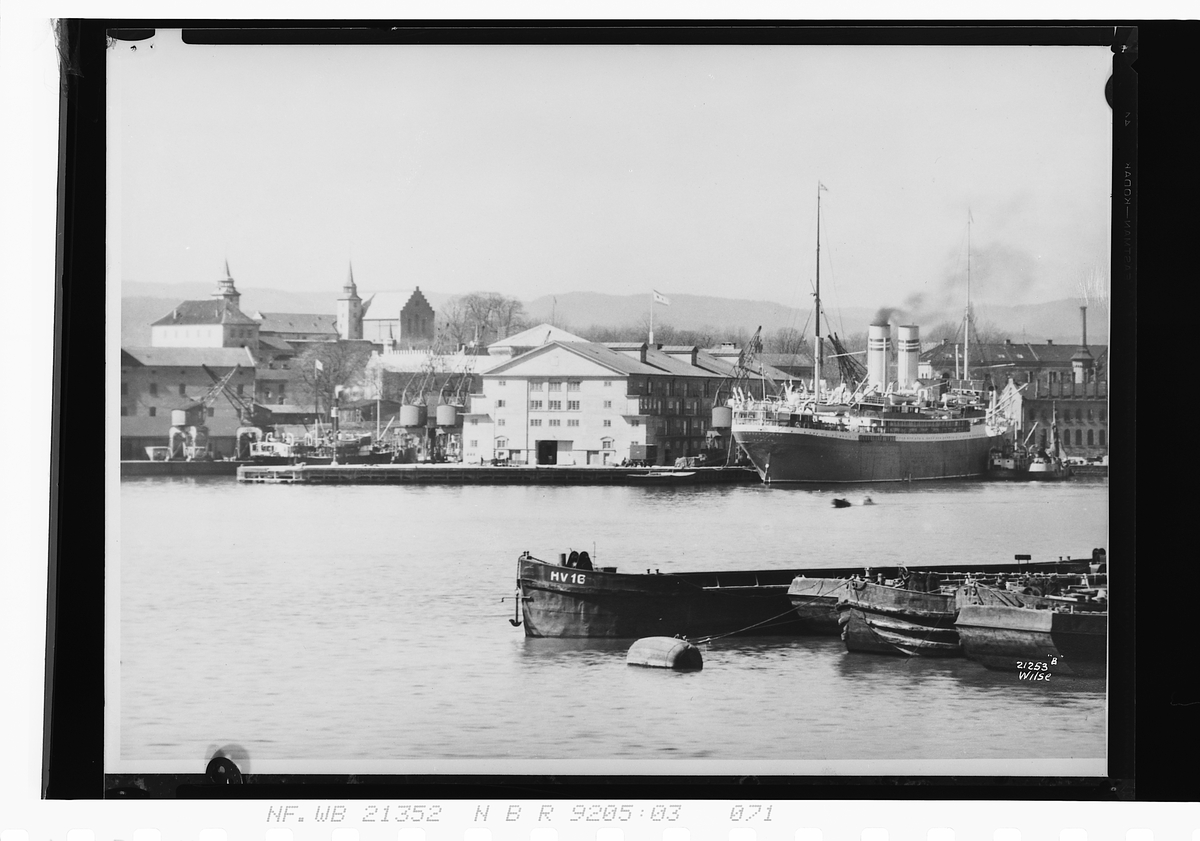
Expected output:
(877, 344)
(908, 347)
(1083, 322)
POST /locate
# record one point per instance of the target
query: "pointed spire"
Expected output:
(349, 290)
(228, 276)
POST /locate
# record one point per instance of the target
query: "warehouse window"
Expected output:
(211, 411)
(606, 443)
(556, 386)
(1078, 437)
(609, 423)
(536, 422)
(1101, 437)
(502, 383)
(473, 444)
(535, 385)
(500, 422)
(573, 422)
(608, 383)
(152, 412)
(573, 405)
(608, 404)
(1090, 438)
(555, 422)
(555, 405)
(501, 443)
(574, 385)
(474, 421)
(535, 404)
(499, 404)
(154, 389)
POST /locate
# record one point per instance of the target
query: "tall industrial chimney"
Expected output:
(1083, 321)
(877, 343)
(908, 354)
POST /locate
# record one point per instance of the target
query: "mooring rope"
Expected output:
(708, 639)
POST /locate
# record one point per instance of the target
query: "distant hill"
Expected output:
(1057, 320)
(143, 303)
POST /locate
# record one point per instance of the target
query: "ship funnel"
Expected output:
(908, 348)
(877, 345)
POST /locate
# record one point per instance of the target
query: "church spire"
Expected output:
(226, 290)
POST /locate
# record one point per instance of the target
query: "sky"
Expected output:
(541, 170)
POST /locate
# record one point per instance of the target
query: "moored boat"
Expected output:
(893, 620)
(871, 429)
(1031, 634)
(816, 602)
(566, 599)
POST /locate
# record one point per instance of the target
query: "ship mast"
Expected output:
(967, 314)
(817, 341)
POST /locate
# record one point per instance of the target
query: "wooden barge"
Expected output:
(560, 600)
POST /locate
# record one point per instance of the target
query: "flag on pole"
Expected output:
(661, 299)
(821, 187)
(320, 367)
(970, 218)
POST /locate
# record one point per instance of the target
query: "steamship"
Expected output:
(877, 432)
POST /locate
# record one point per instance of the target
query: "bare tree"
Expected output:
(486, 316)
(785, 340)
(324, 365)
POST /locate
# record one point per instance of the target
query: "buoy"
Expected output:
(665, 653)
(867, 501)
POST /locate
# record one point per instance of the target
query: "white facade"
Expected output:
(557, 404)
(204, 335)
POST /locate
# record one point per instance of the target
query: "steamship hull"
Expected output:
(798, 454)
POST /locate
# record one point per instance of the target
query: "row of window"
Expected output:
(1076, 415)
(152, 411)
(556, 405)
(502, 443)
(153, 389)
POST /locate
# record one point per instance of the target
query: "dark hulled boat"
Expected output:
(1011, 631)
(561, 601)
(557, 600)
(892, 620)
(815, 601)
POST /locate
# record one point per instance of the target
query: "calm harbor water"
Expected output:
(367, 623)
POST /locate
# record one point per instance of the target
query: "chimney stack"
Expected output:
(908, 355)
(877, 343)
(1083, 320)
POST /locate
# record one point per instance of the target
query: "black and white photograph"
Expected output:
(607, 408)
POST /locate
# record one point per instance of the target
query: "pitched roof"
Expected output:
(213, 311)
(1015, 353)
(183, 357)
(657, 362)
(296, 322)
(275, 343)
(536, 336)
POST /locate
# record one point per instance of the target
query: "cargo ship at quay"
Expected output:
(871, 429)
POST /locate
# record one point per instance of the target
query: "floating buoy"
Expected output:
(665, 653)
(867, 501)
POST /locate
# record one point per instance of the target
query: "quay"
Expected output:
(144, 467)
(458, 474)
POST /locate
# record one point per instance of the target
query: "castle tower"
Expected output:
(226, 291)
(350, 310)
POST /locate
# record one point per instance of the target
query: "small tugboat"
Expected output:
(1023, 462)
